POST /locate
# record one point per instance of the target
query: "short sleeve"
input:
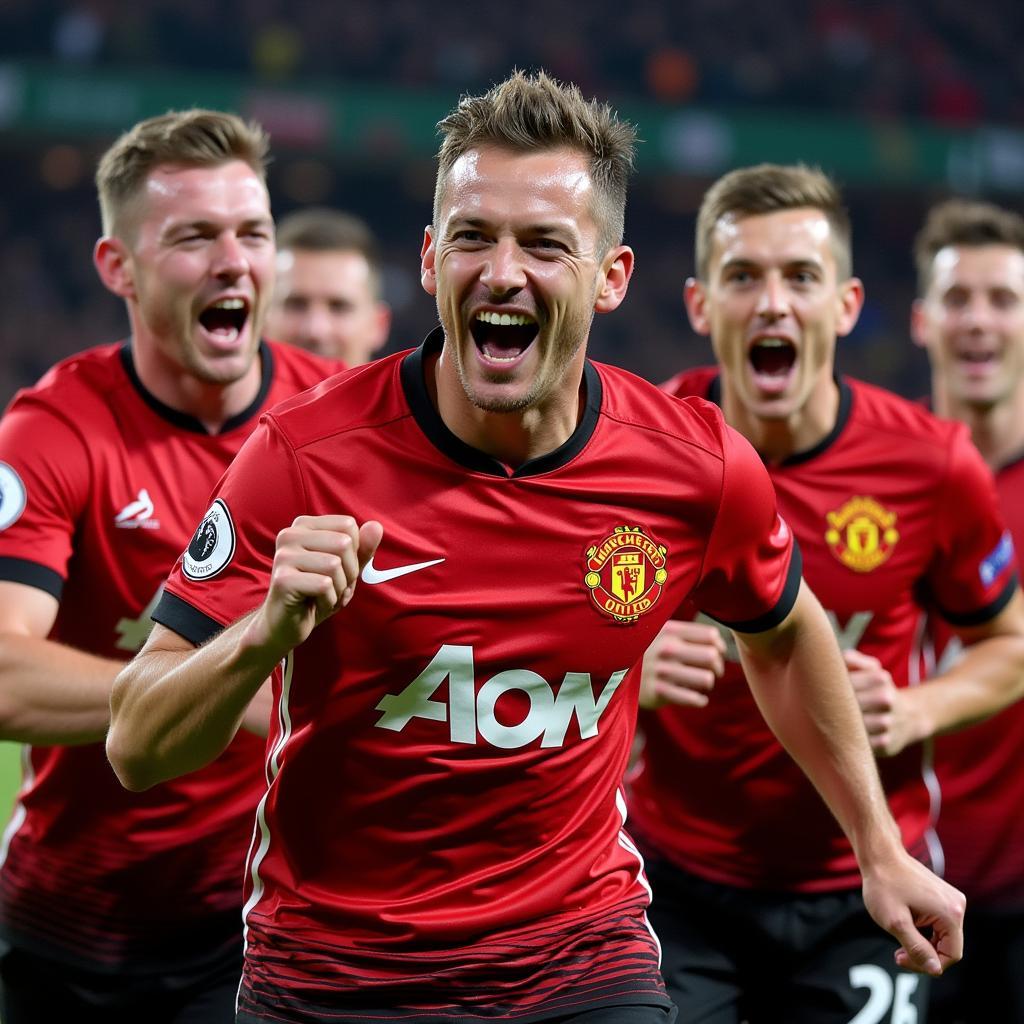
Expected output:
(751, 572)
(45, 482)
(225, 570)
(973, 574)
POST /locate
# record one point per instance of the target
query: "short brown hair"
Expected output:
(964, 222)
(770, 188)
(321, 229)
(189, 138)
(529, 112)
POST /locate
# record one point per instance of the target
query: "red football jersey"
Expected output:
(100, 488)
(894, 511)
(981, 785)
(443, 831)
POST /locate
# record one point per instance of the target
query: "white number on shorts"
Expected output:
(884, 996)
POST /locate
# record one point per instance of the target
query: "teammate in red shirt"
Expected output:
(970, 318)
(442, 836)
(757, 892)
(118, 906)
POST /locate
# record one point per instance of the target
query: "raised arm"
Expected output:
(798, 678)
(175, 708)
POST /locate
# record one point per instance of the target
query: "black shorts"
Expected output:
(37, 990)
(987, 986)
(731, 955)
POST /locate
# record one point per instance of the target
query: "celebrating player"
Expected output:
(970, 318)
(327, 297)
(450, 560)
(119, 906)
(759, 902)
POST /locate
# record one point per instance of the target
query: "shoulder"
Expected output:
(295, 369)
(630, 401)
(892, 417)
(364, 397)
(696, 381)
(80, 386)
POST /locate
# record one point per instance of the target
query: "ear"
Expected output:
(428, 273)
(919, 324)
(616, 270)
(851, 302)
(112, 260)
(695, 300)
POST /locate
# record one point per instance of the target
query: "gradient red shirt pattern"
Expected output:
(894, 512)
(109, 482)
(443, 831)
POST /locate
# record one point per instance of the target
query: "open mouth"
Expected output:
(503, 337)
(225, 318)
(772, 361)
(979, 359)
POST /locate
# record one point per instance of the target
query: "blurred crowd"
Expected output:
(955, 64)
(946, 60)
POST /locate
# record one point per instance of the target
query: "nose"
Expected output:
(503, 269)
(773, 302)
(230, 261)
(978, 313)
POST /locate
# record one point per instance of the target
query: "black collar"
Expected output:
(714, 394)
(430, 422)
(183, 420)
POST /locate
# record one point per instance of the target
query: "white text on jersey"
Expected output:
(469, 713)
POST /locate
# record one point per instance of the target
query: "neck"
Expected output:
(996, 430)
(513, 438)
(212, 403)
(777, 438)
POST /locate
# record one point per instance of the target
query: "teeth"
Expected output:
(505, 319)
(228, 304)
(772, 342)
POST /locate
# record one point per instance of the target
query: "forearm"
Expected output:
(801, 685)
(52, 694)
(173, 711)
(988, 678)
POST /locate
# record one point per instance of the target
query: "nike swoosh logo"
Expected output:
(373, 575)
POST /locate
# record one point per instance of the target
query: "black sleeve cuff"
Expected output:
(783, 606)
(982, 615)
(185, 620)
(32, 574)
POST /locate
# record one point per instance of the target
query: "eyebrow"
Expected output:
(542, 228)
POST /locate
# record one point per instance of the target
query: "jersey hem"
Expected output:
(185, 619)
(986, 614)
(32, 574)
(783, 606)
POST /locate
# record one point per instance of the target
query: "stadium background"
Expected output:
(904, 103)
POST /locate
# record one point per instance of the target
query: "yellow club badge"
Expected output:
(862, 534)
(625, 573)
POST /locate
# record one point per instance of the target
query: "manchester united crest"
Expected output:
(625, 573)
(862, 534)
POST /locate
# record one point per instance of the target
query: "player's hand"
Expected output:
(317, 563)
(888, 714)
(904, 897)
(681, 665)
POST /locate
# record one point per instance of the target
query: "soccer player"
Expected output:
(970, 319)
(442, 835)
(758, 897)
(117, 906)
(327, 297)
